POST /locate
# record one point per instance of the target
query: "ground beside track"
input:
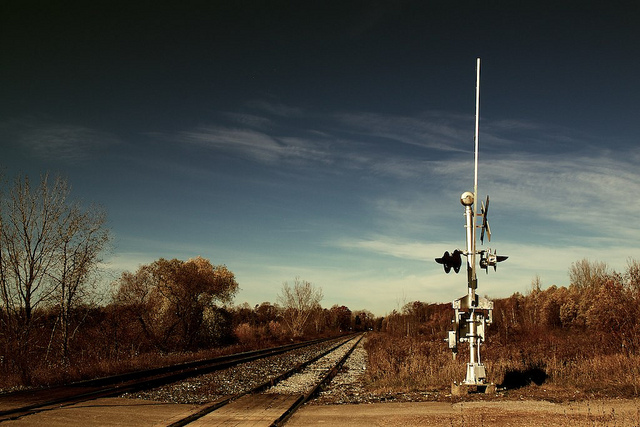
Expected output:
(111, 412)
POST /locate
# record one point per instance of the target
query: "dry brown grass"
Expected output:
(408, 364)
(404, 364)
(48, 374)
(610, 374)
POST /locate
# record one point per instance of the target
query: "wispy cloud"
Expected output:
(434, 130)
(57, 141)
(276, 108)
(256, 145)
(587, 193)
(252, 121)
(272, 133)
(390, 246)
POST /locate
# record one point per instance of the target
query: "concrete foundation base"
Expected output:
(464, 389)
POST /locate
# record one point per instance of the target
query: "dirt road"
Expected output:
(131, 412)
(496, 413)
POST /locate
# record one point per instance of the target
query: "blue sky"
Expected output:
(332, 140)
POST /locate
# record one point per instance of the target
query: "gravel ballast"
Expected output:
(241, 378)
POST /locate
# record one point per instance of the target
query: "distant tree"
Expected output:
(536, 284)
(298, 303)
(173, 300)
(632, 276)
(318, 319)
(569, 313)
(508, 317)
(340, 318)
(216, 326)
(613, 313)
(266, 312)
(243, 313)
(362, 320)
(585, 274)
(550, 307)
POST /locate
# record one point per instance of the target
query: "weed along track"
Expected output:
(205, 385)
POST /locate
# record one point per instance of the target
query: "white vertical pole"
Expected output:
(475, 179)
(474, 343)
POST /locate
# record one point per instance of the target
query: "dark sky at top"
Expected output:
(115, 61)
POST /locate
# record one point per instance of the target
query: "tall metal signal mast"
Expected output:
(472, 312)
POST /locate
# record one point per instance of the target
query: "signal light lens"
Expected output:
(449, 261)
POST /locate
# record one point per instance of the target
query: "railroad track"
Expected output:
(20, 404)
(272, 403)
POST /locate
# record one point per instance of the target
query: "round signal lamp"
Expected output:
(466, 198)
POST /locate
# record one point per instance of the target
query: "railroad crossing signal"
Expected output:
(472, 313)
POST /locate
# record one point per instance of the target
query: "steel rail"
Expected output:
(326, 379)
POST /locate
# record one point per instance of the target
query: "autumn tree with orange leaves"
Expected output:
(175, 302)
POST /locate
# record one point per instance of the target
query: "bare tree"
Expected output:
(632, 276)
(536, 285)
(299, 303)
(29, 242)
(585, 274)
(48, 248)
(82, 237)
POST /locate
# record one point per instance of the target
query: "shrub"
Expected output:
(245, 333)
